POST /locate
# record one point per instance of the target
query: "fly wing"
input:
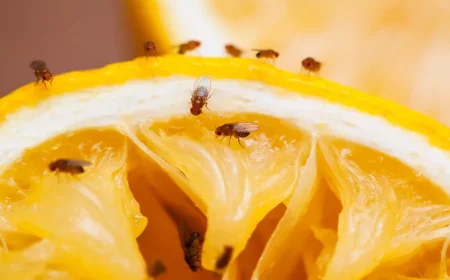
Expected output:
(79, 162)
(38, 64)
(245, 127)
(203, 82)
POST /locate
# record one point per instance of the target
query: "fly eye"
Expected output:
(218, 133)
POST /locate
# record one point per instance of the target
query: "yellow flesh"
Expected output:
(389, 217)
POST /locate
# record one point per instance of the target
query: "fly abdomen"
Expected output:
(242, 134)
(192, 238)
(79, 169)
(192, 251)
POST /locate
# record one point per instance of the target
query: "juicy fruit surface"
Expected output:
(244, 183)
(67, 218)
(292, 205)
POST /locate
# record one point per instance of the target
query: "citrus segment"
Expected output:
(27, 263)
(284, 249)
(93, 213)
(431, 263)
(385, 217)
(409, 212)
(160, 240)
(365, 221)
(248, 259)
(236, 186)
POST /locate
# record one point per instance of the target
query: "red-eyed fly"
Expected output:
(238, 130)
(224, 259)
(192, 244)
(311, 65)
(150, 48)
(41, 72)
(233, 50)
(200, 95)
(188, 46)
(267, 53)
(70, 166)
(157, 269)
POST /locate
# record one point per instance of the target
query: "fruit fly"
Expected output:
(267, 54)
(150, 47)
(188, 46)
(192, 247)
(224, 259)
(238, 130)
(157, 269)
(200, 95)
(311, 64)
(41, 71)
(233, 51)
(70, 166)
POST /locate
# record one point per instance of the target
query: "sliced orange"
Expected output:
(335, 184)
(373, 47)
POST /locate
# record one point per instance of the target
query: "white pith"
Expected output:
(162, 98)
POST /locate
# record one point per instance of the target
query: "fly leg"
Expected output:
(206, 106)
(57, 176)
(240, 143)
(38, 77)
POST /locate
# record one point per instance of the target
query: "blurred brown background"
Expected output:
(68, 35)
(396, 49)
